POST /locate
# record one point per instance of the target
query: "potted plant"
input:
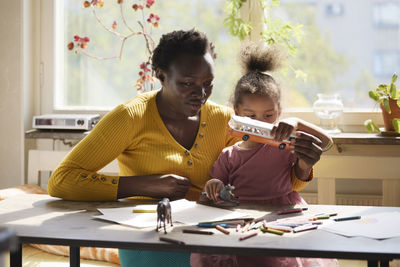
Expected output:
(388, 98)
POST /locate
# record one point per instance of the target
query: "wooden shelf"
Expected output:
(365, 139)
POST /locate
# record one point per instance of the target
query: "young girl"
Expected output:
(262, 173)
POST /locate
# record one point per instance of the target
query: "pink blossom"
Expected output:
(149, 3)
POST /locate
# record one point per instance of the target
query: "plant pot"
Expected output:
(388, 118)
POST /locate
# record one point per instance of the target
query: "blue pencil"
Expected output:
(347, 218)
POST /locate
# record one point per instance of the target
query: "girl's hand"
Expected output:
(284, 129)
(212, 189)
(308, 151)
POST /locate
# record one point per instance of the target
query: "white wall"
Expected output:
(11, 95)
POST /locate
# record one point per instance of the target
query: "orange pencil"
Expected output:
(222, 229)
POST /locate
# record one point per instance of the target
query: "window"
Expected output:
(335, 9)
(338, 53)
(386, 14)
(385, 62)
(96, 84)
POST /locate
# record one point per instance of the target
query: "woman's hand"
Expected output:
(212, 189)
(171, 186)
(308, 150)
(284, 129)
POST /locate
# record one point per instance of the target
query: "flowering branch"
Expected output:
(146, 74)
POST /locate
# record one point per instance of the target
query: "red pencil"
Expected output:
(247, 236)
(290, 211)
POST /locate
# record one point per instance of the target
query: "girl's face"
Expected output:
(258, 107)
(188, 83)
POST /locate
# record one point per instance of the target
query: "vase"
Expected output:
(328, 108)
(388, 118)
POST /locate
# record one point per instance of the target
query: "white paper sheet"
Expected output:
(183, 211)
(378, 226)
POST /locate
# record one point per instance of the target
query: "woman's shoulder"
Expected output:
(139, 104)
(215, 109)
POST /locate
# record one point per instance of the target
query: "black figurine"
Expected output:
(163, 214)
(226, 194)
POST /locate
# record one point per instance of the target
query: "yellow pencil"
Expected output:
(143, 211)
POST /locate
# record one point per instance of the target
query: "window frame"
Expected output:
(352, 120)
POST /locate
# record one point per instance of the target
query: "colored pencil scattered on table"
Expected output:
(247, 236)
(222, 229)
(173, 241)
(192, 231)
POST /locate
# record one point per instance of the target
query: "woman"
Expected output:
(165, 141)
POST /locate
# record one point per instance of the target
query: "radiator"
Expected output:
(347, 199)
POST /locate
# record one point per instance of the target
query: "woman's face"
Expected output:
(188, 83)
(258, 107)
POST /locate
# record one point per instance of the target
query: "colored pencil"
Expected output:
(222, 229)
(347, 218)
(247, 236)
(192, 231)
(170, 240)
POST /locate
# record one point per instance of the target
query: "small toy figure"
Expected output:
(163, 214)
(226, 194)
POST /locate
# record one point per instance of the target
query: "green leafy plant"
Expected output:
(275, 30)
(384, 94)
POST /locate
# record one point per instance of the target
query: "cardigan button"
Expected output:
(201, 135)
(84, 175)
(94, 176)
(203, 124)
(187, 152)
(190, 162)
(114, 181)
(103, 179)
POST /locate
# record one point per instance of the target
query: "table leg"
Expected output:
(74, 256)
(16, 256)
(372, 263)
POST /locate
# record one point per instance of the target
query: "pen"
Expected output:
(190, 231)
(222, 229)
(290, 211)
(143, 211)
(247, 236)
(170, 240)
(347, 218)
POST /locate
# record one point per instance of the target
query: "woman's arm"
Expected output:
(157, 186)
